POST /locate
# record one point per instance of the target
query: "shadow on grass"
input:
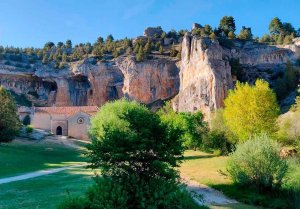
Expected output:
(251, 196)
(198, 157)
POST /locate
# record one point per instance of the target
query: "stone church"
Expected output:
(72, 121)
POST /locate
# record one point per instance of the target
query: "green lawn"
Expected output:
(45, 191)
(205, 169)
(23, 156)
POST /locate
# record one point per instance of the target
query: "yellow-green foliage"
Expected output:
(251, 110)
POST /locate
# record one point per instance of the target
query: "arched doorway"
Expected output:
(59, 130)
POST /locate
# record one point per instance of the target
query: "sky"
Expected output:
(31, 23)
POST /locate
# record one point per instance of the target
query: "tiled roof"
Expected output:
(70, 110)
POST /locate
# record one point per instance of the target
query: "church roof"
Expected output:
(67, 110)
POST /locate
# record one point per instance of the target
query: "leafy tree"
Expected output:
(245, 34)
(266, 39)
(69, 44)
(173, 51)
(191, 125)
(9, 120)
(60, 44)
(275, 26)
(207, 30)
(290, 76)
(231, 35)
(100, 40)
(227, 24)
(109, 38)
(147, 48)
(64, 57)
(130, 140)
(49, 45)
(88, 48)
(161, 49)
(136, 48)
(45, 59)
(288, 39)
(140, 56)
(163, 35)
(288, 28)
(97, 51)
(287, 83)
(212, 36)
(251, 110)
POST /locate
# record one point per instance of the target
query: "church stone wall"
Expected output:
(78, 125)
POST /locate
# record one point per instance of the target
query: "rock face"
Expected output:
(199, 81)
(204, 76)
(149, 81)
(89, 83)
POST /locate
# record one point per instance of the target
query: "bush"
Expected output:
(29, 129)
(257, 162)
(191, 125)
(73, 203)
(110, 194)
(216, 140)
(107, 194)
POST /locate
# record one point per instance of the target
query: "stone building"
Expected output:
(70, 121)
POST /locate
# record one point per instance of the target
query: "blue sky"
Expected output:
(33, 22)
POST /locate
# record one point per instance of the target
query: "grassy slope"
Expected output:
(20, 157)
(46, 191)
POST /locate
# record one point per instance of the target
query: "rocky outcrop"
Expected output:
(205, 76)
(199, 81)
(89, 83)
(149, 81)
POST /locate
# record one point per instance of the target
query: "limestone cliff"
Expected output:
(89, 83)
(199, 81)
(204, 76)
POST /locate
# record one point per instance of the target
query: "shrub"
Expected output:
(257, 162)
(107, 194)
(191, 125)
(73, 203)
(216, 140)
(110, 194)
(29, 129)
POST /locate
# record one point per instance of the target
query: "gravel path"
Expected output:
(210, 196)
(36, 174)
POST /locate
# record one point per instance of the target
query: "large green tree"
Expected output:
(9, 120)
(191, 125)
(275, 26)
(251, 110)
(128, 139)
(227, 24)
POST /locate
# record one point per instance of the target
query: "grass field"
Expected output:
(45, 191)
(207, 169)
(23, 156)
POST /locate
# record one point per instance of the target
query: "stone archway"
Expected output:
(59, 130)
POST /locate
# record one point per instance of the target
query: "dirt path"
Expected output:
(210, 196)
(36, 174)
